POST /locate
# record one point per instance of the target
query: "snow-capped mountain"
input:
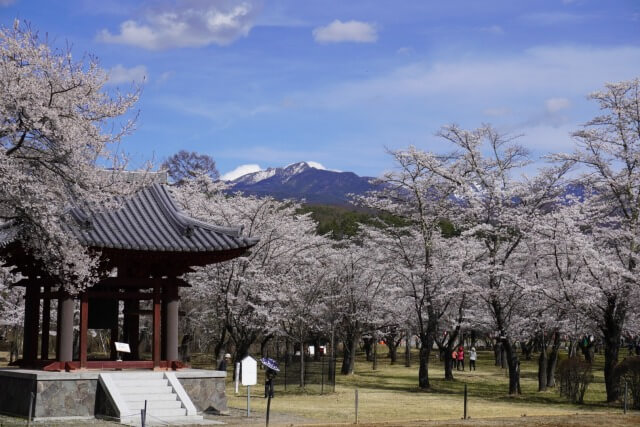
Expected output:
(303, 181)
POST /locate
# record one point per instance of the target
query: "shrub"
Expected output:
(629, 371)
(574, 376)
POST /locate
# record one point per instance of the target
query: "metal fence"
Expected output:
(318, 374)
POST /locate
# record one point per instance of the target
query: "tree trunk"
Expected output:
(612, 330)
(375, 354)
(301, 364)
(553, 360)
(527, 349)
(349, 358)
(289, 351)
(542, 365)
(497, 353)
(448, 364)
(514, 367)
(332, 365)
(368, 348)
(407, 351)
(425, 350)
(242, 350)
(263, 345)
(393, 351)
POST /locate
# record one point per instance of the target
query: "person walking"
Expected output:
(222, 366)
(460, 358)
(472, 358)
(454, 358)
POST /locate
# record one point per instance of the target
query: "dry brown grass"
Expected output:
(390, 394)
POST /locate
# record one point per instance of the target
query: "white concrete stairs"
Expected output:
(167, 401)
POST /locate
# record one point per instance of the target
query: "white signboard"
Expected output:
(249, 371)
(312, 350)
(122, 347)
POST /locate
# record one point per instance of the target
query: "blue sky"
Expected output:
(272, 82)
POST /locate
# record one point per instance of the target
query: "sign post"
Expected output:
(249, 377)
(237, 376)
(122, 347)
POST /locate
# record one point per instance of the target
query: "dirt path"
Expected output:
(582, 420)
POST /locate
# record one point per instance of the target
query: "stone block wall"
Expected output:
(207, 394)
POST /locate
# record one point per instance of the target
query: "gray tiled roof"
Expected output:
(147, 221)
(151, 221)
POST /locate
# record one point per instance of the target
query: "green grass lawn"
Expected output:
(391, 394)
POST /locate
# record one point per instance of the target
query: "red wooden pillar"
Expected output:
(65, 329)
(156, 327)
(46, 324)
(171, 322)
(84, 324)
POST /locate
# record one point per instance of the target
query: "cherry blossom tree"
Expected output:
(359, 295)
(423, 266)
(244, 294)
(496, 210)
(607, 149)
(57, 123)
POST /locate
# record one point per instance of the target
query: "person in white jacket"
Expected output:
(472, 358)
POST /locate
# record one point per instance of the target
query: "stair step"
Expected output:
(138, 376)
(151, 404)
(146, 390)
(167, 412)
(124, 384)
(166, 400)
(150, 397)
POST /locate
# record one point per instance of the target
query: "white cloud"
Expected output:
(187, 24)
(556, 104)
(240, 171)
(120, 74)
(164, 77)
(349, 31)
(544, 70)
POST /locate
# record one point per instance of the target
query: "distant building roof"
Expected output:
(147, 221)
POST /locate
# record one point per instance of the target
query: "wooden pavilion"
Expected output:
(144, 247)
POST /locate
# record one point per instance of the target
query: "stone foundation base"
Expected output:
(78, 394)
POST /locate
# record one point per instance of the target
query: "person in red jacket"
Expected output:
(460, 359)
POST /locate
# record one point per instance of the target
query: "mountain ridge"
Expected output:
(302, 181)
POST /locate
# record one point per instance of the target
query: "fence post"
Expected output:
(248, 400)
(465, 401)
(143, 415)
(237, 376)
(356, 406)
(625, 397)
(268, 407)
